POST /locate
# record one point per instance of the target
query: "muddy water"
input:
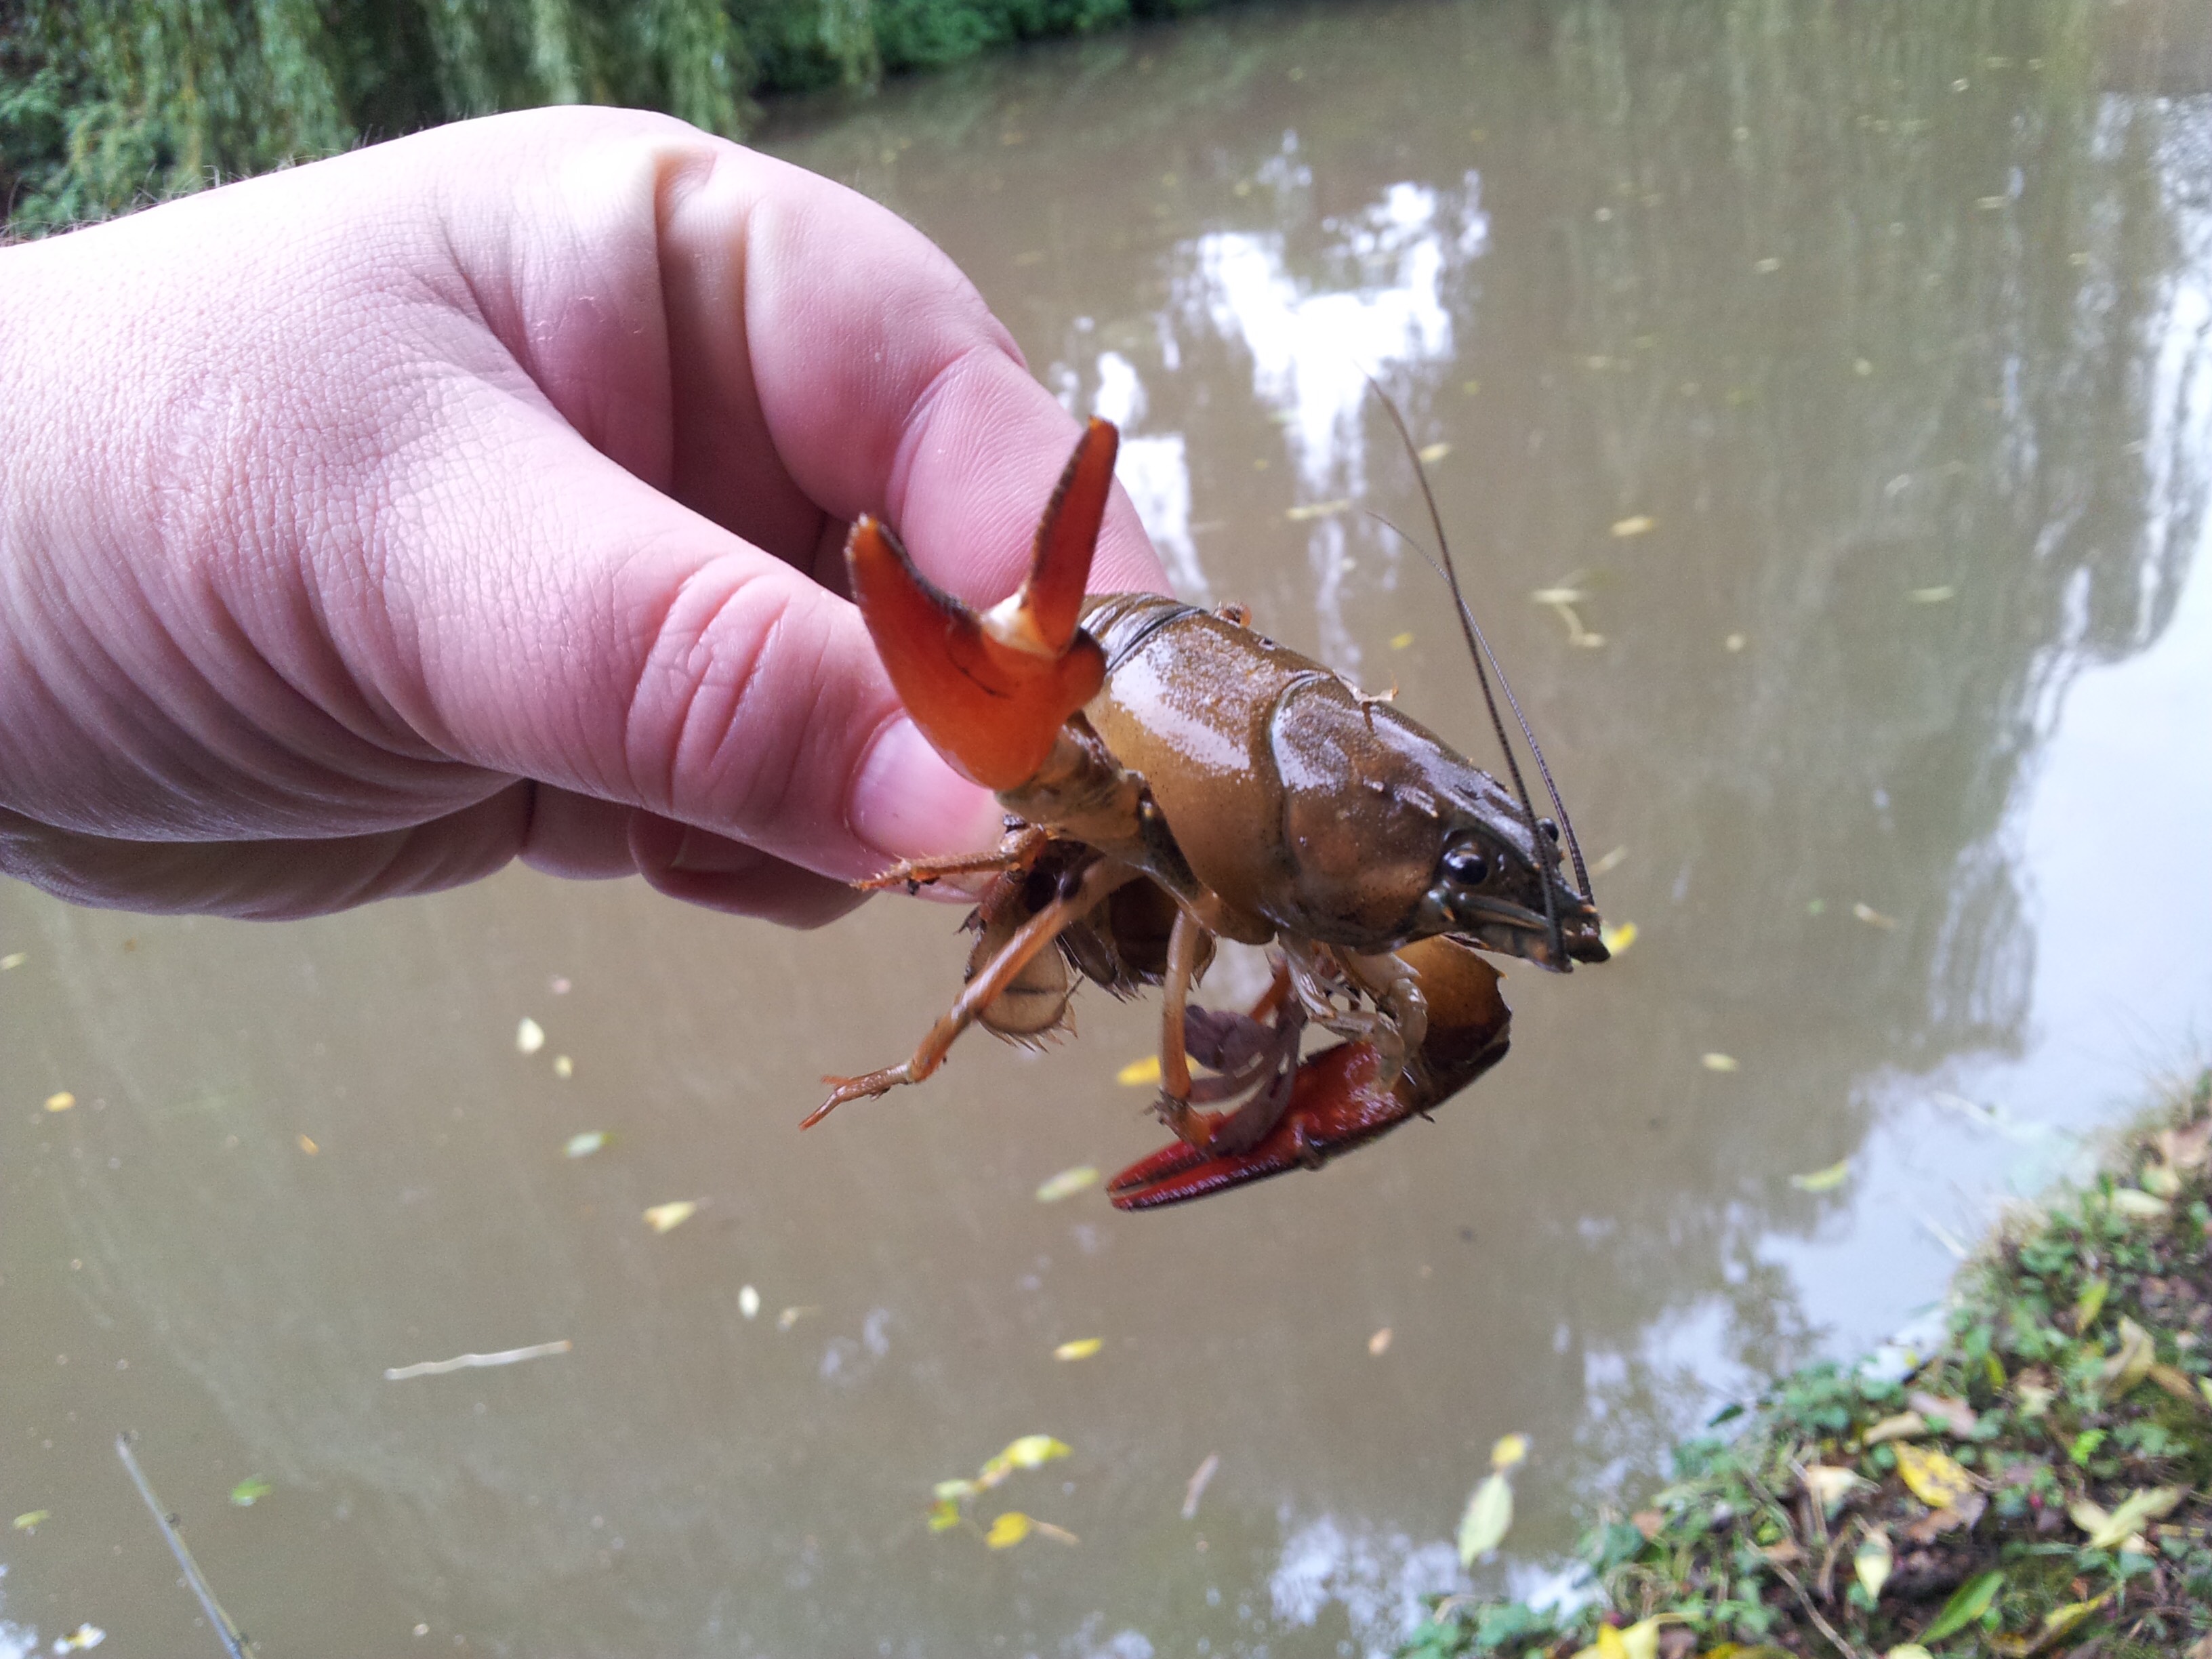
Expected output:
(1847, 362)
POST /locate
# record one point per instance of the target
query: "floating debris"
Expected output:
(1433, 453)
(528, 1036)
(1401, 641)
(307, 1144)
(469, 1361)
(1201, 1478)
(666, 1218)
(1720, 1063)
(748, 1303)
(60, 1101)
(1643, 523)
(1873, 918)
(1823, 1181)
(564, 1067)
(1379, 1344)
(1137, 1074)
(1617, 939)
(251, 1491)
(1318, 510)
(1068, 1183)
(1081, 1348)
(14, 959)
(32, 1520)
(1933, 595)
(584, 1144)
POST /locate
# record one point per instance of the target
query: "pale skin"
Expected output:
(481, 495)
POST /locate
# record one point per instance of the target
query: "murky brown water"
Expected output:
(1849, 358)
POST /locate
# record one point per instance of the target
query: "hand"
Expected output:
(482, 495)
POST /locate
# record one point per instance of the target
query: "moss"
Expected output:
(2076, 1376)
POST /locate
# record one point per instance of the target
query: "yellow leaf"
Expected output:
(1082, 1348)
(1008, 1530)
(1641, 524)
(1510, 1452)
(528, 1036)
(1936, 1480)
(2131, 1361)
(1617, 939)
(1380, 1342)
(1316, 510)
(665, 1217)
(308, 1145)
(952, 1491)
(2176, 1383)
(1035, 1450)
(944, 1514)
(1934, 595)
(1488, 1517)
(1432, 454)
(14, 959)
(1068, 1183)
(2141, 1508)
(1903, 1426)
(32, 1520)
(1400, 642)
(1139, 1072)
(2089, 1304)
(1823, 1181)
(61, 1102)
(1830, 1484)
(1720, 1063)
(564, 1067)
(1872, 1561)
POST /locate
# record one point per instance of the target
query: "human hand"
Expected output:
(481, 495)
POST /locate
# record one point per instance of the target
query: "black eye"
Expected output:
(1467, 865)
(1550, 830)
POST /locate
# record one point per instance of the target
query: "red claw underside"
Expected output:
(1340, 1100)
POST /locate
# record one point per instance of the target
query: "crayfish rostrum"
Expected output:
(1172, 777)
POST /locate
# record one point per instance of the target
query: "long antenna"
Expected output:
(1478, 648)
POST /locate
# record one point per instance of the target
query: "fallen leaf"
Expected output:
(251, 1491)
(2056, 1623)
(1008, 1530)
(1068, 1183)
(1617, 939)
(1969, 1603)
(1435, 453)
(1642, 523)
(1380, 1342)
(2139, 1511)
(944, 1515)
(1316, 510)
(2177, 1382)
(666, 1218)
(1139, 1072)
(308, 1145)
(1908, 1650)
(1823, 1181)
(748, 1302)
(14, 959)
(1720, 1063)
(1082, 1348)
(528, 1036)
(1034, 1451)
(1556, 597)
(2130, 1362)
(61, 1102)
(2139, 1206)
(32, 1520)
(1956, 1415)
(584, 1145)
(1873, 918)
(1638, 1641)
(1903, 1426)
(563, 1067)
(2089, 1304)
(83, 1637)
(1959, 1517)
(1829, 1484)
(1400, 642)
(1058, 1534)
(952, 1491)
(1489, 1517)
(1936, 1480)
(1934, 595)
(1200, 1478)
(1510, 1451)
(1872, 1561)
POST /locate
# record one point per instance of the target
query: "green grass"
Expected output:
(2074, 1382)
(106, 105)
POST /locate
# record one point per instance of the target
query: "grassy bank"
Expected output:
(106, 104)
(2039, 1485)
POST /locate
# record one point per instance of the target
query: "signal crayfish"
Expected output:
(1171, 777)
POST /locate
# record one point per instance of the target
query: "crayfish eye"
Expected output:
(1550, 831)
(1467, 865)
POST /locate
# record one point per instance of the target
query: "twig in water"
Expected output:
(1196, 1490)
(470, 1361)
(234, 1639)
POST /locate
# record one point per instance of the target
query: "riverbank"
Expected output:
(103, 108)
(2037, 1486)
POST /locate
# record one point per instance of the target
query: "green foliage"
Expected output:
(106, 105)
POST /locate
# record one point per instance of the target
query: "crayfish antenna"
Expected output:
(991, 689)
(1479, 649)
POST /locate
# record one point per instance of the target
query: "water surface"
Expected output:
(1847, 359)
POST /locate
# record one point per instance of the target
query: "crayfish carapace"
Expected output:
(1171, 777)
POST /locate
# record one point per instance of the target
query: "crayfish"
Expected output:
(1171, 777)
